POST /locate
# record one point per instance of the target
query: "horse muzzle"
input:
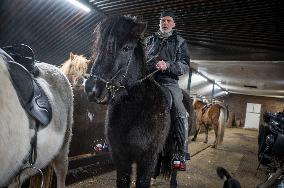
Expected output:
(96, 91)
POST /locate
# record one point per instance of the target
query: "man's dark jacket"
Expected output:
(173, 50)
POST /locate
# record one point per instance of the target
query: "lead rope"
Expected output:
(32, 159)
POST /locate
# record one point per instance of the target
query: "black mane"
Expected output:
(112, 32)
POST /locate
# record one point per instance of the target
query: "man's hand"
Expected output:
(161, 65)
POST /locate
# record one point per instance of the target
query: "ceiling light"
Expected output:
(80, 5)
(250, 86)
(198, 78)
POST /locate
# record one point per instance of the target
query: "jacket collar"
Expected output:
(166, 35)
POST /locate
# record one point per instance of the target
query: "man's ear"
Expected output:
(139, 28)
(174, 25)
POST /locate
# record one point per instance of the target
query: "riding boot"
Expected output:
(179, 161)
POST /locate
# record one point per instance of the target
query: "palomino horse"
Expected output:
(16, 132)
(75, 68)
(214, 115)
(138, 118)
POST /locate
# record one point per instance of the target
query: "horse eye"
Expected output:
(126, 48)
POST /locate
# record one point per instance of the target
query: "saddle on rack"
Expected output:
(22, 72)
(276, 126)
(271, 139)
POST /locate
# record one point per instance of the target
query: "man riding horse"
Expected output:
(167, 51)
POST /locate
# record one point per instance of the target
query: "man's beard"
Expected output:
(165, 33)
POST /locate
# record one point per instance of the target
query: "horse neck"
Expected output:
(66, 67)
(199, 105)
(137, 69)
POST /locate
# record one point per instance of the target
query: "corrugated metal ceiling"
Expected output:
(244, 35)
(53, 28)
(245, 23)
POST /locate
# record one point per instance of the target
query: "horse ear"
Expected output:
(139, 28)
(71, 56)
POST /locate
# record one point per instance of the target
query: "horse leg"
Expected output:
(173, 182)
(60, 166)
(18, 181)
(60, 162)
(158, 166)
(206, 134)
(145, 170)
(123, 176)
(196, 132)
(123, 170)
(157, 170)
(215, 126)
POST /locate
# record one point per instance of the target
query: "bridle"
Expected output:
(114, 88)
(109, 85)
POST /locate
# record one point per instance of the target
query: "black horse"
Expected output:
(138, 120)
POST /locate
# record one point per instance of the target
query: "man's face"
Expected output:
(166, 24)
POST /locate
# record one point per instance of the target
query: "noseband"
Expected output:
(109, 85)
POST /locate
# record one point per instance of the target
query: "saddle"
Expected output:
(204, 108)
(276, 126)
(271, 139)
(32, 97)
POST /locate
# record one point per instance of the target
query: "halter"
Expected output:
(109, 84)
(113, 88)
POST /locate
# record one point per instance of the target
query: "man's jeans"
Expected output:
(181, 116)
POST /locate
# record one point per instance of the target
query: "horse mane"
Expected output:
(198, 103)
(113, 31)
(75, 68)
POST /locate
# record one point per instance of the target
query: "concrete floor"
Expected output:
(238, 155)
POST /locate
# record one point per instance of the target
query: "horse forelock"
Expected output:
(111, 35)
(113, 32)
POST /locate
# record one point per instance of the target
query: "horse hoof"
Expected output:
(173, 185)
(214, 146)
(205, 142)
(193, 139)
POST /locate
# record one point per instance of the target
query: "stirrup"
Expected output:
(178, 165)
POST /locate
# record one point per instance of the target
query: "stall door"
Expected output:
(252, 115)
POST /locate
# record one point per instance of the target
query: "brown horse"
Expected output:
(210, 115)
(75, 68)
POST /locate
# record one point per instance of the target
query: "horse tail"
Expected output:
(166, 161)
(188, 104)
(170, 148)
(223, 117)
